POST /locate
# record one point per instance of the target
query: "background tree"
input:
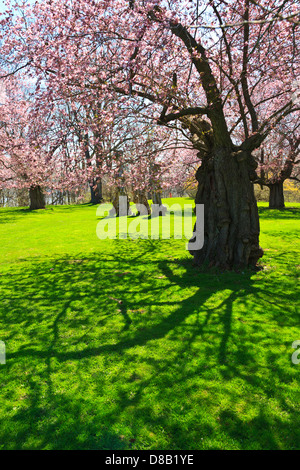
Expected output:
(37, 151)
(202, 64)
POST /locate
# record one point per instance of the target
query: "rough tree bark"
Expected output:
(140, 197)
(37, 199)
(156, 198)
(276, 196)
(157, 205)
(96, 192)
(231, 222)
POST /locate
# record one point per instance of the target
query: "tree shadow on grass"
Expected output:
(130, 351)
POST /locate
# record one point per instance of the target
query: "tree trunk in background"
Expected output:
(276, 197)
(157, 206)
(96, 193)
(231, 222)
(37, 199)
(156, 198)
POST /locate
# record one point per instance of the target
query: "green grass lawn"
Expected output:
(123, 344)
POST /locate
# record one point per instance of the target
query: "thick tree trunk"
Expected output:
(276, 196)
(231, 223)
(157, 206)
(37, 199)
(96, 193)
(156, 198)
(125, 207)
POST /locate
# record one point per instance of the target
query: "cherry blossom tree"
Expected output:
(279, 160)
(202, 64)
(144, 160)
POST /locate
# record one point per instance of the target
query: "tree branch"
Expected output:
(194, 111)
